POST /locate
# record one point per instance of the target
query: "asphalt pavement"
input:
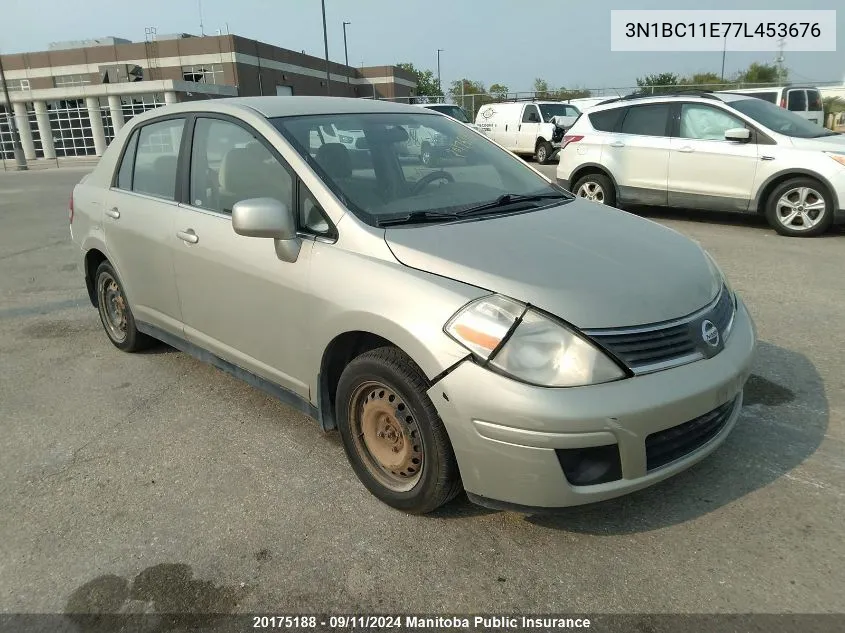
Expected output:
(154, 479)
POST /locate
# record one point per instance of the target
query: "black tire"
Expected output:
(109, 291)
(370, 380)
(599, 183)
(543, 152)
(813, 222)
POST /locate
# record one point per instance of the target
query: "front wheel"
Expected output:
(800, 207)
(543, 152)
(596, 188)
(393, 437)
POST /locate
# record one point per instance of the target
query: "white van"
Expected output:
(805, 101)
(533, 128)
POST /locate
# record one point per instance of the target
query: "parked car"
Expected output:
(451, 110)
(711, 151)
(805, 101)
(532, 128)
(471, 326)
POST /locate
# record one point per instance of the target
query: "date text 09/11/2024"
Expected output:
(417, 622)
(718, 30)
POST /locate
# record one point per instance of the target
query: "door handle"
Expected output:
(188, 236)
(767, 158)
(113, 213)
(686, 149)
(519, 129)
(617, 144)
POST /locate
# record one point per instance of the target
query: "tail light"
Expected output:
(569, 139)
(70, 209)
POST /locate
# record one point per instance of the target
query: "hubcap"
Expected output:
(112, 307)
(541, 154)
(591, 191)
(800, 208)
(386, 436)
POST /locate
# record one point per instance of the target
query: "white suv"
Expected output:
(718, 151)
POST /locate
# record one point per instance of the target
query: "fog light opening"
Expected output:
(590, 466)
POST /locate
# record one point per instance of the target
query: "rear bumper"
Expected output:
(511, 440)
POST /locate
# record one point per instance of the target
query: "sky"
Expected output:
(511, 42)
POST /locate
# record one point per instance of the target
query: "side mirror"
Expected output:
(267, 217)
(739, 134)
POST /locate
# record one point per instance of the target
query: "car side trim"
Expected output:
(286, 396)
(756, 201)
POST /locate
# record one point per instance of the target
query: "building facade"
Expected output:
(73, 98)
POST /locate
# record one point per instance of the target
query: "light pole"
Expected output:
(724, 52)
(439, 85)
(326, 44)
(346, 53)
(13, 126)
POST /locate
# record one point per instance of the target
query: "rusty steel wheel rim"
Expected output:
(386, 436)
(112, 305)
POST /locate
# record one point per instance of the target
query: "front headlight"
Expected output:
(529, 346)
(839, 158)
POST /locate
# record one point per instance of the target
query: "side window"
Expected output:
(124, 174)
(705, 122)
(229, 164)
(531, 114)
(157, 158)
(646, 120)
(571, 111)
(606, 120)
(796, 100)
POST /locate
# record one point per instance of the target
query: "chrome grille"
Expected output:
(645, 349)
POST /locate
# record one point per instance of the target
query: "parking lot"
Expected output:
(209, 495)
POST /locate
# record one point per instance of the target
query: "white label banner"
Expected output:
(716, 30)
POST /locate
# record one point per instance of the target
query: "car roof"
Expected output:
(725, 97)
(285, 106)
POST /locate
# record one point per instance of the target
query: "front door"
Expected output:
(239, 300)
(138, 222)
(705, 170)
(529, 129)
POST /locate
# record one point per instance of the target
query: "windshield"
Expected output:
(779, 120)
(557, 109)
(453, 111)
(406, 163)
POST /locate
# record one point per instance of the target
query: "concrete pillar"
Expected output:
(169, 97)
(96, 118)
(22, 121)
(45, 130)
(116, 110)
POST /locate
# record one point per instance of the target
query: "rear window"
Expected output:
(796, 100)
(606, 120)
(646, 120)
(814, 100)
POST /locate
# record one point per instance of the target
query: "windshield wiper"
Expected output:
(416, 217)
(507, 199)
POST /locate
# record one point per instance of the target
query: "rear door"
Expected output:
(705, 170)
(138, 222)
(815, 109)
(528, 129)
(796, 101)
(638, 155)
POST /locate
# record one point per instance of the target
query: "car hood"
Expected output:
(832, 143)
(591, 265)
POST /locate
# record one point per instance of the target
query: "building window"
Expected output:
(64, 81)
(17, 85)
(138, 104)
(203, 74)
(72, 133)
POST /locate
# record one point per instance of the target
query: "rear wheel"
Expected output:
(393, 437)
(115, 313)
(596, 188)
(543, 152)
(800, 207)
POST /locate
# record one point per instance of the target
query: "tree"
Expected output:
(658, 84)
(704, 81)
(499, 91)
(470, 95)
(760, 74)
(541, 89)
(427, 84)
(564, 94)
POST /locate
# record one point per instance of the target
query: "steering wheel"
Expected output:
(426, 180)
